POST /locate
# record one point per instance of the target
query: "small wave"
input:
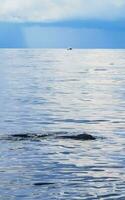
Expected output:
(100, 69)
(43, 184)
(83, 121)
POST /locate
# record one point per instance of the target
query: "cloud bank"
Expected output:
(59, 10)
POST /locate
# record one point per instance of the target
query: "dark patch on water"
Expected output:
(43, 184)
(109, 196)
(83, 136)
(83, 121)
(118, 122)
(100, 69)
(112, 63)
(57, 135)
(26, 136)
(67, 80)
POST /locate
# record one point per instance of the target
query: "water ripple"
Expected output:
(49, 101)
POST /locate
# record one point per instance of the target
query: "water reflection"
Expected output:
(54, 91)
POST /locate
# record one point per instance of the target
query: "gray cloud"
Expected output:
(57, 10)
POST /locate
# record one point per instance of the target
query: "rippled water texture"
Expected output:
(55, 92)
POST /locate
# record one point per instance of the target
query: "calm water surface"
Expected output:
(55, 91)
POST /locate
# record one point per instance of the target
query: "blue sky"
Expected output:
(62, 23)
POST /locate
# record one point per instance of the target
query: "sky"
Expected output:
(62, 23)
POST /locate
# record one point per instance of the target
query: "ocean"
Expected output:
(47, 93)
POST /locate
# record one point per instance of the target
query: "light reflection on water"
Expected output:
(77, 91)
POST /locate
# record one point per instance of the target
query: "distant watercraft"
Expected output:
(69, 48)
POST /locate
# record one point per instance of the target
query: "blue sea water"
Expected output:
(55, 91)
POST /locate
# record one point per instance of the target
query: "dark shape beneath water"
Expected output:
(54, 135)
(83, 136)
(27, 136)
(22, 135)
(43, 184)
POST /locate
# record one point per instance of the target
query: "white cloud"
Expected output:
(55, 10)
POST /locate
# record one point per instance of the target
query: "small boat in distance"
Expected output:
(69, 48)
